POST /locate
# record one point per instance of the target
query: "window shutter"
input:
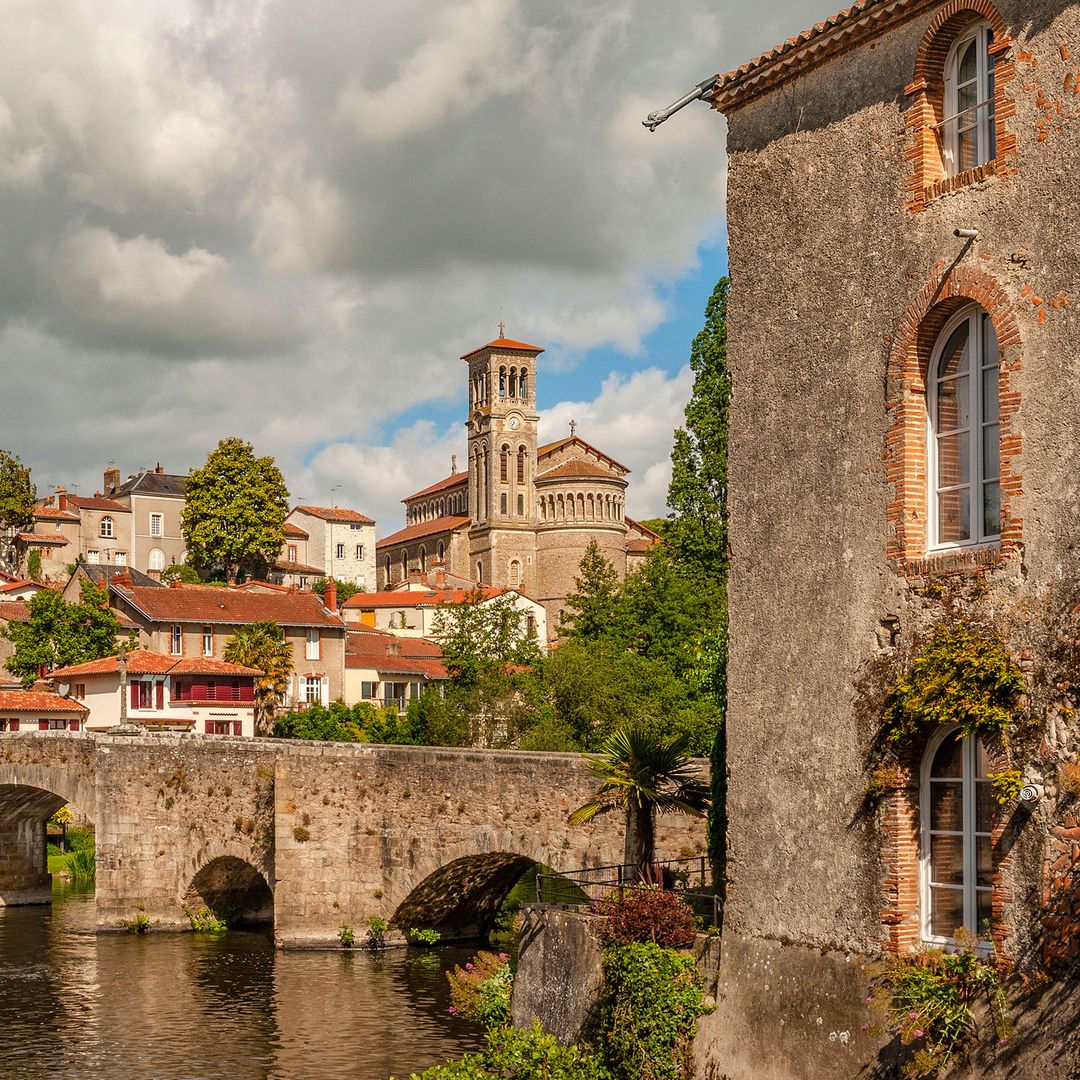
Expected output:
(74, 725)
(161, 695)
(134, 695)
(43, 725)
(236, 727)
(209, 727)
(14, 725)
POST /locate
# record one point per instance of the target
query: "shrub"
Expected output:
(926, 1000)
(1007, 784)
(648, 1021)
(424, 936)
(82, 865)
(480, 991)
(207, 922)
(1068, 778)
(140, 924)
(512, 1054)
(376, 935)
(645, 913)
(346, 936)
(80, 838)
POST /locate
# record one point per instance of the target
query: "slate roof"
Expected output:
(101, 573)
(212, 604)
(37, 701)
(337, 514)
(445, 524)
(149, 482)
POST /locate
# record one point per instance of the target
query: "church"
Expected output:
(521, 515)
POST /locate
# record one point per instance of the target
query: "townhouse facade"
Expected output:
(330, 541)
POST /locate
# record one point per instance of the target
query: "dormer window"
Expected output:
(968, 127)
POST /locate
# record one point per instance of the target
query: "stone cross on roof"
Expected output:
(573, 429)
(502, 329)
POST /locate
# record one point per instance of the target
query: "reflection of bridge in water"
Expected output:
(314, 835)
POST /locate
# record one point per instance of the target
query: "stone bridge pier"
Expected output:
(311, 835)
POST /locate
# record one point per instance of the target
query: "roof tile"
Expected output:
(217, 604)
(337, 514)
(425, 528)
(37, 701)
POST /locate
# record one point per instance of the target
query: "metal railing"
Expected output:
(691, 879)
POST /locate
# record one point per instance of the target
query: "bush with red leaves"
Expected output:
(645, 913)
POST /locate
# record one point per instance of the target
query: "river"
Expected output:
(194, 1006)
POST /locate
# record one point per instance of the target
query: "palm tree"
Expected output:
(643, 775)
(262, 645)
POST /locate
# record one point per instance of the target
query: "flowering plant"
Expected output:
(480, 991)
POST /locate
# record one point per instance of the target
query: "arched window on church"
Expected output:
(513, 382)
(386, 570)
(521, 465)
(404, 564)
(524, 385)
(514, 576)
(479, 571)
(581, 507)
(442, 551)
(592, 508)
(561, 508)
(504, 464)
(423, 560)
(502, 382)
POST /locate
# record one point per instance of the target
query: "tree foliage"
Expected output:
(261, 645)
(346, 590)
(234, 515)
(590, 609)
(480, 637)
(17, 495)
(58, 634)
(183, 572)
(698, 491)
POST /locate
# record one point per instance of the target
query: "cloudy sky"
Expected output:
(285, 221)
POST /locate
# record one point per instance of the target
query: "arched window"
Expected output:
(442, 551)
(423, 559)
(502, 382)
(968, 128)
(504, 464)
(157, 559)
(592, 508)
(479, 571)
(965, 439)
(524, 393)
(404, 564)
(513, 382)
(514, 577)
(107, 526)
(386, 570)
(581, 507)
(956, 811)
(521, 465)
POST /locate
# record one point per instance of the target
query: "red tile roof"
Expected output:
(389, 654)
(295, 531)
(577, 469)
(640, 546)
(14, 609)
(81, 502)
(451, 481)
(550, 448)
(234, 607)
(14, 586)
(645, 531)
(505, 343)
(37, 701)
(147, 662)
(409, 598)
(43, 538)
(336, 514)
(51, 513)
(449, 523)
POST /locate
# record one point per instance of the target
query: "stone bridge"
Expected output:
(312, 835)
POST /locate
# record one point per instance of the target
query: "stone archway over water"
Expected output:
(233, 889)
(24, 814)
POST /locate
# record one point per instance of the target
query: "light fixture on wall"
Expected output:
(966, 234)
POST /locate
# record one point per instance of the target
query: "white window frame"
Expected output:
(340, 551)
(970, 887)
(93, 557)
(120, 558)
(107, 529)
(980, 327)
(311, 644)
(157, 524)
(208, 641)
(156, 556)
(312, 690)
(176, 640)
(983, 120)
(359, 551)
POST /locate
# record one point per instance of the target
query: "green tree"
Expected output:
(234, 515)
(58, 634)
(481, 636)
(698, 491)
(17, 495)
(33, 564)
(643, 775)
(590, 608)
(183, 572)
(346, 590)
(261, 645)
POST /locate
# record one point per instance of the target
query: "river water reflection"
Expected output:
(194, 1006)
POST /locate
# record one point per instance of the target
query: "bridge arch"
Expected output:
(233, 888)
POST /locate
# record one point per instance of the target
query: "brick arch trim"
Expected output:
(941, 33)
(906, 385)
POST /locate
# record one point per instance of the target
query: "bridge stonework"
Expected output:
(316, 835)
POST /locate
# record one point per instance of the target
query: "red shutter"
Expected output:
(43, 725)
(134, 695)
(209, 727)
(247, 692)
(74, 725)
(236, 727)
(161, 695)
(13, 726)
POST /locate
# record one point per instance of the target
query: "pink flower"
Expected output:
(912, 1016)
(918, 1033)
(468, 967)
(504, 956)
(865, 1027)
(453, 1011)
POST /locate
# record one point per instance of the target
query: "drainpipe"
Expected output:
(655, 119)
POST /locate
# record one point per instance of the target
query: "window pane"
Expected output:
(947, 860)
(967, 98)
(946, 807)
(967, 66)
(991, 452)
(985, 805)
(954, 516)
(967, 149)
(991, 510)
(954, 357)
(982, 760)
(946, 911)
(953, 405)
(984, 861)
(954, 464)
(990, 395)
(949, 759)
(984, 911)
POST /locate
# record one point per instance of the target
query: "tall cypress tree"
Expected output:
(698, 491)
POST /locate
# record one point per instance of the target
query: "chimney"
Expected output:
(440, 578)
(160, 469)
(61, 498)
(414, 577)
(111, 478)
(330, 599)
(176, 583)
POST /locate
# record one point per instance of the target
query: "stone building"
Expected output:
(328, 541)
(156, 501)
(905, 352)
(522, 514)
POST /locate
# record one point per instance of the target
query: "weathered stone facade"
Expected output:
(845, 270)
(336, 833)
